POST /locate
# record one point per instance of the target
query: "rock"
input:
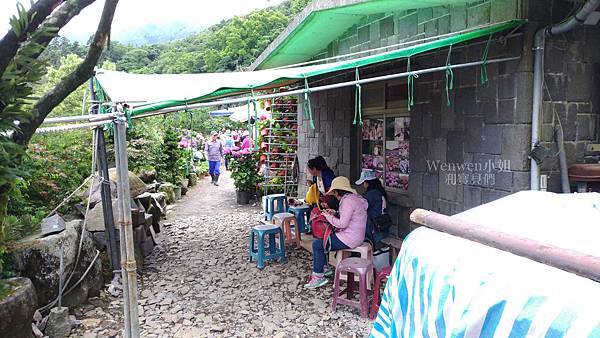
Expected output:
(17, 307)
(95, 217)
(38, 259)
(192, 179)
(53, 225)
(136, 187)
(148, 176)
(177, 191)
(59, 325)
(169, 190)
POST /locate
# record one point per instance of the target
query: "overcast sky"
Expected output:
(135, 13)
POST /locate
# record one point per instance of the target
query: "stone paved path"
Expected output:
(199, 283)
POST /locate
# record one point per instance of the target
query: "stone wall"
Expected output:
(572, 79)
(474, 150)
(482, 136)
(402, 26)
(333, 113)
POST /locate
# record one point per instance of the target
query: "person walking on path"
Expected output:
(213, 150)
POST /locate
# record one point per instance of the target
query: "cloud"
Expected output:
(136, 13)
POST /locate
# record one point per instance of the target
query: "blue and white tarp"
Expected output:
(445, 286)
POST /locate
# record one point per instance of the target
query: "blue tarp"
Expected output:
(445, 286)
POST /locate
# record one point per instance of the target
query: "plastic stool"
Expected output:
(302, 214)
(381, 275)
(365, 250)
(351, 266)
(285, 221)
(274, 204)
(259, 253)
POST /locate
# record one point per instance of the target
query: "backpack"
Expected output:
(321, 228)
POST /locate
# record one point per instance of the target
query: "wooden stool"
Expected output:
(395, 245)
(285, 221)
(351, 266)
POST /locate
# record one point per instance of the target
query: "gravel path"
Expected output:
(199, 283)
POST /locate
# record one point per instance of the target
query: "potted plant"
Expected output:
(245, 176)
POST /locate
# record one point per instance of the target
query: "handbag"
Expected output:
(321, 228)
(382, 222)
(312, 195)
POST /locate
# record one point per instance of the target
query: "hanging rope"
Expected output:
(484, 66)
(449, 77)
(307, 105)
(411, 86)
(254, 131)
(357, 100)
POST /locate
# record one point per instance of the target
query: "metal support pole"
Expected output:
(581, 264)
(128, 265)
(109, 224)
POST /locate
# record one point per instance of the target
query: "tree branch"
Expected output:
(72, 81)
(9, 45)
(61, 17)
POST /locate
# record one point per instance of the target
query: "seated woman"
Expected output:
(377, 198)
(349, 225)
(322, 176)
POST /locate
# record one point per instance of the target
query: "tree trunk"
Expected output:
(72, 81)
(4, 191)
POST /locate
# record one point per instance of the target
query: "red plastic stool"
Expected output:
(381, 275)
(351, 266)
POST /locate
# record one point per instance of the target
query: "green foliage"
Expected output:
(243, 172)
(171, 166)
(145, 144)
(242, 39)
(16, 97)
(55, 164)
(298, 5)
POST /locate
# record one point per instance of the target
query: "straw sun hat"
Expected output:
(341, 183)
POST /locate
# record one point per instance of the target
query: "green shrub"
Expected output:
(243, 172)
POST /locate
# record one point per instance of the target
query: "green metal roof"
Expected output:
(150, 92)
(318, 25)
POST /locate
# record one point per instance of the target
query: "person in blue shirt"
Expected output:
(376, 196)
(322, 176)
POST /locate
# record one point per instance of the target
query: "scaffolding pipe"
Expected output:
(107, 210)
(295, 92)
(79, 118)
(67, 127)
(128, 264)
(581, 264)
(325, 87)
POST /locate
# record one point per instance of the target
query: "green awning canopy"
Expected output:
(326, 21)
(150, 92)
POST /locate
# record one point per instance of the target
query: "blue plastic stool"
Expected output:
(274, 204)
(258, 253)
(302, 214)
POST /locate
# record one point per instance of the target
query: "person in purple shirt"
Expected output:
(349, 222)
(213, 150)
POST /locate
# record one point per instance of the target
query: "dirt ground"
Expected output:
(198, 282)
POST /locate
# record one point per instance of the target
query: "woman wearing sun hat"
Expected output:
(349, 222)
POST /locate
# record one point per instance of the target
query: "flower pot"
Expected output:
(243, 197)
(18, 302)
(177, 192)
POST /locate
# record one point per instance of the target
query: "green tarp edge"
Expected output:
(311, 71)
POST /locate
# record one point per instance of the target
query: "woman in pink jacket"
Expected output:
(349, 222)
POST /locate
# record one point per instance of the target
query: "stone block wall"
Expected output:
(571, 97)
(333, 114)
(403, 26)
(474, 150)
